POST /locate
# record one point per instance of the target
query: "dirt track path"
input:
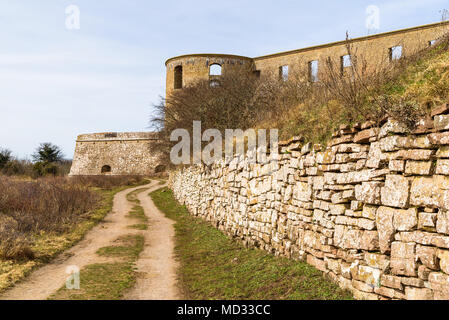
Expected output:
(156, 265)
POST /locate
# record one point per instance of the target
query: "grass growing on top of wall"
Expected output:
(213, 266)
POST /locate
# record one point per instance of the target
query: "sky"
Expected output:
(61, 76)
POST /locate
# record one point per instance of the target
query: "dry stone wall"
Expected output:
(371, 210)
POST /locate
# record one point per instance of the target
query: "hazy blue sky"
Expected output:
(56, 83)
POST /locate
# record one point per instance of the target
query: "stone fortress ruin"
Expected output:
(129, 153)
(370, 209)
(306, 63)
(113, 153)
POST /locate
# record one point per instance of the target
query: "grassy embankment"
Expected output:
(213, 266)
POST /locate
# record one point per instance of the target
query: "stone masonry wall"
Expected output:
(126, 153)
(371, 210)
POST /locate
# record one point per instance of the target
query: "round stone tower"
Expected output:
(186, 69)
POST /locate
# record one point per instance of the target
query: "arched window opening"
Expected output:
(215, 69)
(160, 168)
(105, 169)
(178, 77)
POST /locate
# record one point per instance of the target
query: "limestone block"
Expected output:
(391, 281)
(365, 135)
(368, 192)
(369, 212)
(396, 165)
(442, 224)
(443, 255)
(403, 259)
(443, 152)
(428, 256)
(405, 220)
(385, 227)
(418, 293)
(427, 220)
(396, 191)
(442, 167)
(392, 126)
(439, 283)
(441, 122)
(423, 168)
(378, 261)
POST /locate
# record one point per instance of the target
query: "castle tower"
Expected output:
(185, 70)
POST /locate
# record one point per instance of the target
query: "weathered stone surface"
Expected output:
(439, 283)
(403, 259)
(396, 165)
(317, 263)
(423, 168)
(441, 122)
(369, 192)
(443, 222)
(429, 192)
(378, 261)
(392, 126)
(418, 293)
(384, 222)
(444, 108)
(441, 138)
(348, 238)
(442, 167)
(391, 281)
(365, 135)
(427, 220)
(428, 256)
(384, 236)
(443, 152)
(396, 191)
(405, 220)
(412, 154)
(369, 212)
(443, 255)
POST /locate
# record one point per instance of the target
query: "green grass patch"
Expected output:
(130, 247)
(132, 196)
(107, 281)
(139, 226)
(137, 212)
(213, 266)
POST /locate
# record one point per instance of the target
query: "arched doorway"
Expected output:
(106, 169)
(160, 168)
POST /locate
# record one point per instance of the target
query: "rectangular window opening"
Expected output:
(395, 53)
(313, 71)
(283, 73)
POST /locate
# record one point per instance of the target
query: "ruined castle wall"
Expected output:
(375, 49)
(125, 153)
(371, 210)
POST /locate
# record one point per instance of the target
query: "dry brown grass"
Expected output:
(32, 207)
